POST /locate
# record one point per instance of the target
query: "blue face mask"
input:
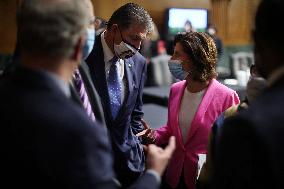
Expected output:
(90, 41)
(176, 69)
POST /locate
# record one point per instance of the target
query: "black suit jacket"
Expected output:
(128, 152)
(250, 150)
(48, 141)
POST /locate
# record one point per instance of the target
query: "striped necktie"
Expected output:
(80, 88)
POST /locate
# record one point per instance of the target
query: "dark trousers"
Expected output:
(127, 180)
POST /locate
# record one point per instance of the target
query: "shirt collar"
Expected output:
(63, 86)
(108, 54)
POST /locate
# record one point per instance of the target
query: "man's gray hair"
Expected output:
(51, 27)
(131, 14)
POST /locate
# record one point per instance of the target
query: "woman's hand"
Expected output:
(148, 134)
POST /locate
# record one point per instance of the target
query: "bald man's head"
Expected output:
(89, 11)
(54, 26)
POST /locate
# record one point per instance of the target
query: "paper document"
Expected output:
(201, 161)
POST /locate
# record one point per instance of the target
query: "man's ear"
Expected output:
(78, 50)
(114, 27)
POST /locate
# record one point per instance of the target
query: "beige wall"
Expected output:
(234, 28)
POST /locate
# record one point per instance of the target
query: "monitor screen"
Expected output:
(179, 19)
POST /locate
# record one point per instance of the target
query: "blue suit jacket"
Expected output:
(128, 152)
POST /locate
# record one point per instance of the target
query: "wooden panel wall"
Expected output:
(156, 8)
(7, 26)
(233, 19)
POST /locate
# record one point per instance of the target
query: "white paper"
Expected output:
(201, 161)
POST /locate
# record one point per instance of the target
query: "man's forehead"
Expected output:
(137, 31)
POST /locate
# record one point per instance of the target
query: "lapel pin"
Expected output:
(129, 65)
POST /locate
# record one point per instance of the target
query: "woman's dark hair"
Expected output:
(202, 51)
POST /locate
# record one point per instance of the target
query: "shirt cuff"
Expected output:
(155, 174)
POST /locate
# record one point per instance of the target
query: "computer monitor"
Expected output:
(176, 19)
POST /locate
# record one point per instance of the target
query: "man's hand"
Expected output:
(158, 158)
(148, 134)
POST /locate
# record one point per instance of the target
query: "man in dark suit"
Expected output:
(48, 141)
(250, 149)
(119, 71)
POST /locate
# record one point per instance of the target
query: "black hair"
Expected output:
(201, 49)
(130, 14)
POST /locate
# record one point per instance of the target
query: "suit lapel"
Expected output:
(92, 92)
(130, 80)
(130, 77)
(96, 65)
(74, 94)
(177, 105)
(202, 108)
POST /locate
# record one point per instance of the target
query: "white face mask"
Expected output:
(124, 50)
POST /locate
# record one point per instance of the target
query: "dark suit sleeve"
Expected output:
(81, 156)
(137, 113)
(146, 181)
(241, 158)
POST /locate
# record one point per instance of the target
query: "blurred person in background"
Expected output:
(255, 87)
(188, 26)
(158, 71)
(212, 31)
(100, 25)
(149, 45)
(249, 151)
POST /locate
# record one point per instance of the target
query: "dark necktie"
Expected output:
(80, 87)
(114, 87)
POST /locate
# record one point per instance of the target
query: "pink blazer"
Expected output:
(217, 98)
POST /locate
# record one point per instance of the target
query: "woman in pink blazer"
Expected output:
(194, 104)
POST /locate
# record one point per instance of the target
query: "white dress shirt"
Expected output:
(108, 55)
(189, 105)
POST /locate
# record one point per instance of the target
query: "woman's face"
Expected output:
(179, 54)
